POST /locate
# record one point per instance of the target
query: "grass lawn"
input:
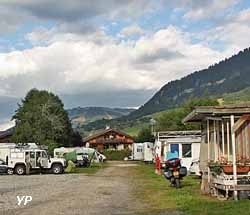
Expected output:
(90, 170)
(155, 191)
(133, 131)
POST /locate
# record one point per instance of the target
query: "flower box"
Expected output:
(240, 169)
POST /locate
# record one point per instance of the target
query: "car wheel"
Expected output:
(10, 171)
(57, 169)
(20, 170)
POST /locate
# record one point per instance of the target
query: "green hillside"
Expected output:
(83, 115)
(237, 97)
(228, 76)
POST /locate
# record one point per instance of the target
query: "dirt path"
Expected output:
(110, 191)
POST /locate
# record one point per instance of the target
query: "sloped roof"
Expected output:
(105, 132)
(6, 133)
(201, 112)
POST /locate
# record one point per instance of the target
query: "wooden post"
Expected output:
(228, 142)
(234, 158)
(208, 150)
(218, 139)
(223, 138)
(215, 143)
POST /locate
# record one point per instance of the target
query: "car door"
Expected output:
(44, 160)
(33, 159)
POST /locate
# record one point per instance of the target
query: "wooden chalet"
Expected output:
(225, 149)
(109, 139)
(5, 136)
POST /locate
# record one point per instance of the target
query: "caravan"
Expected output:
(143, 152)
(185, 144)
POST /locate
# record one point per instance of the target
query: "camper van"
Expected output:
(143, 152)
(185, 144)
(18, 157)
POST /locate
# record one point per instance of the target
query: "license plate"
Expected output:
(176, 173)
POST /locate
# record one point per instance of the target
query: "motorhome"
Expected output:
(186, 145)
(18, 157)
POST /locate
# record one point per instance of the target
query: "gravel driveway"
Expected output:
(107, 192)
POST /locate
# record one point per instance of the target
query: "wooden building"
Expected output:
(5, 136)
(225, 148)
(109, 139)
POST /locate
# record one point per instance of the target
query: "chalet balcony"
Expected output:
(112, 141)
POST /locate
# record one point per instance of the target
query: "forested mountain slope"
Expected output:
(228, 76)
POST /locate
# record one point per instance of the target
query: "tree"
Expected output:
(41, 118)
(76, 139)
(145, 135)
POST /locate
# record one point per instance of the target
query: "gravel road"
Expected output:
(109, 191)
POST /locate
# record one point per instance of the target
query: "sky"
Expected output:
(112, 53)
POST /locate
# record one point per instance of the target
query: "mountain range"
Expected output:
(228, 76)
(83, 115)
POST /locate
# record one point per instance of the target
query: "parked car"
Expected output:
(18, 157)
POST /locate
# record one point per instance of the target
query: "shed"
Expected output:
(225, 148)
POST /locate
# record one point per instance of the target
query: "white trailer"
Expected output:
(186, 144)
(143, 151)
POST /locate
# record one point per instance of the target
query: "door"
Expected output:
(33, 159)
(44, 160)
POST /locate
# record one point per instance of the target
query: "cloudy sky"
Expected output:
(109, 52)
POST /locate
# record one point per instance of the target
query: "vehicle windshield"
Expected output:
(2, 162)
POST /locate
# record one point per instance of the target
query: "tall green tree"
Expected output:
(41, 118)
(145, 135)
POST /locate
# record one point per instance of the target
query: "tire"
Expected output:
(57, 169)
(10, 171)
(177, 183)
(20, 170)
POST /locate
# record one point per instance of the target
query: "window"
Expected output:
(174, 148)
(139, 149)
(2, 162)
(44, 155)
(186, 150)
(32, 155)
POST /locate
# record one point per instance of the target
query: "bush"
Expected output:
(70, 167)
(116, 155)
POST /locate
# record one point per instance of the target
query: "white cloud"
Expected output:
(231, 34)
(131, 30)
(97, 63)
(199, 9)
